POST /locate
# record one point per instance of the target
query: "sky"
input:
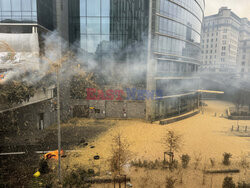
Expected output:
(239, 7)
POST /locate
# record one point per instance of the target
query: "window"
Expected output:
(224, 42)
(223, 48)
(82, 7)
(244, 57)
(222, 59)
(93, 8)
(211, 51)
(93, 25)
(224, 36)
(105, 25)
(26, 5)
(83, 26)
(223, 53)
(243, 63)
(224, 30)
(16, 5)
(105, 8)
(6, 6)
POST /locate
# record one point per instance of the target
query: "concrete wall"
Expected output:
(112, 109)
(28, 117)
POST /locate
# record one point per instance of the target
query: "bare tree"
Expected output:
(172, 142)
(120, 155)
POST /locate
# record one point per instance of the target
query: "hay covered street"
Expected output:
(202, 134)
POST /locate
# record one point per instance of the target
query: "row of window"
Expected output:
(211, 51)
(177, 86)
(18, 10)
(95, 8)
(192, 6)
(18, 5)
(171, 10)
(176, 29)
(176, 47)
(175, 67)
(215, 62)
(222, 54)
(95, 25)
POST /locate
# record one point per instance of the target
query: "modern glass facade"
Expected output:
(107, 22)
(106, 26)
(18, 11)
(176, 49)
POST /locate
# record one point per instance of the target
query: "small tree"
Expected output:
(185, 160)
(226, 158)
(170, 182)
(15, 92)
(197, 159)
(172, 142)
(228, 183)
(120, 155)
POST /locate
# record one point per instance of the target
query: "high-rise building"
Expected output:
(223, 38)
(243, 55)
(161, 36)
(167, 33)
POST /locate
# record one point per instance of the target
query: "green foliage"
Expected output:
(228, 183)
(226, 158)
(243, 185)
(79, 83)
(170, 182)
(76, 178)
(185, 160)
(15, 92)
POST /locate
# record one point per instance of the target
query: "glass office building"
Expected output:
(96, 22)
(175, 43)
(28, 11)
(177, 54)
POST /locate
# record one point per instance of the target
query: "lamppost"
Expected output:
(58, 121)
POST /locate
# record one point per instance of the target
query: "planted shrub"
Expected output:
(170, 182)
(243, 185)
(226, 158)
(173, 165)
(76, 178)
(185, 160)
(228, 183)
(197, 159)
(212, 161)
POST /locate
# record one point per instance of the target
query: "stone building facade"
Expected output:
(223, 37)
